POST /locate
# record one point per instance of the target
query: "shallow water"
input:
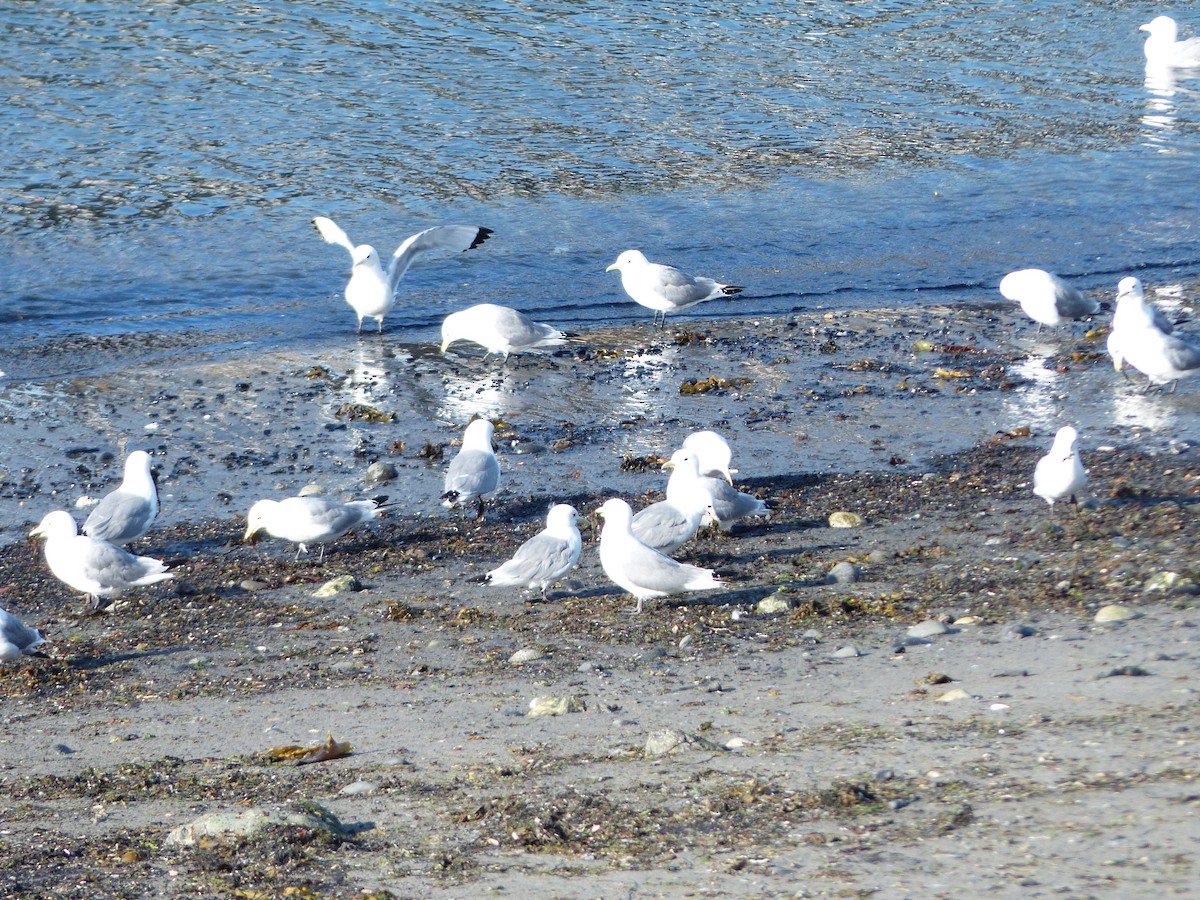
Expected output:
(162, 161)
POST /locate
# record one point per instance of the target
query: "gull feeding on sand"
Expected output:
(547, 557)
(1163, 50)
(712, 453)
(371, 291)
(665, 289)
(643, 571)
(474, 471)
(16, 638)
(1060, 472)
(124, 515)
(1046, 298)
(668, 525)
(96, 568)
(309, 520)
(499, 329)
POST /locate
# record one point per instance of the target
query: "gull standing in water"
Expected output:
(547, 557)
(96, 568)
(1060, 472)
(1046, 298)
(643, 571)
(475, 470)
(371, 291)
(309, 520)
(499, 329)
(125, 514)
(665, 289)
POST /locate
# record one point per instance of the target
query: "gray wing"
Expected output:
(333, 234)
(679, 288)
(471, 473)
(440, 237)
(647, 568)
(18, 633)
(1161, 322)
(1071, 303)
(731, 504)
(542, 559)
(115, 569)
(521, 331)
(335, 519)
(119, 518)
(1182, 355)
(663, 527)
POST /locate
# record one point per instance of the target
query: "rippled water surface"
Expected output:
(162, 160)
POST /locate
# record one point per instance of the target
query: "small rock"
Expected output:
(1128, 671)
(252, 821)
(776, 603)
(928, 628)
(358, 787)
(525, 654)
(954, 695)
(251, 585)
(1170, 583)
(555, 706)
(1114, 612)
(844, 520)
(737, 743)
(1016, 631)
(844, 573)
(339, 584)
(664, 741)
(378, 472)
(310, 490)
(849, 652)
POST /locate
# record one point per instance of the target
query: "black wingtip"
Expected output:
(730, 289)
(483, 235)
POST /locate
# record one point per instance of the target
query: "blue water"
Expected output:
(161, 161)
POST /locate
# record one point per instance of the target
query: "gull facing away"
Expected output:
(371, 291)
(309, 520)
(499, 329)
(1163, 50)
(1060, 472)
(1046, 298)
(643, 571)
(474, 471)
(668, 525)
(16, 638)
(665, 289)
(547, 557)
(712, 452)
(124, 515)
(96, 568)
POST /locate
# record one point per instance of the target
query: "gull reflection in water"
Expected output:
(1134, 409)
(1039, 400)
(1158, 122)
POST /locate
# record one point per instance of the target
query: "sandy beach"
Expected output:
(1012, 745)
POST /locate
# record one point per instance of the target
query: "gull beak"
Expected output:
(613, 268)
(37, 532)
(668, 466)
(251, 536)
(1145, 27)
(446, 344)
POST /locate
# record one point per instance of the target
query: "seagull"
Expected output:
(125, 514)
(1159, 356)
(498, 329)
(474, 471)
(713, 453)
(546, 557)
(641, 570)
(96, 568)
(665, 289)
(1163, 50)
(1060, 473)
(309, 520)
(668, 525)
(727, 504)
(1131, 313)
(371, 291)
(16, 638)
(1046, 298)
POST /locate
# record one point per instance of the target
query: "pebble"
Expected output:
(1114, 612)
(848, 652)
(844, 573)
(252, 821)
(359, 787)
(525, 654)
(1170, 583)
(776, 603)
(663, 741)
(1016, 632)
(310, 490)
(928, 628)
(842, 519)
(338, 585)
(554, 706)
(251, 585)
(953, 695)
(378, 472)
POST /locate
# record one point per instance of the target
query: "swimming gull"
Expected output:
(96, 568)
(713, 453)
(474, 471)
(665, 289)
(1163, 50)
(643, 571)
(309, 520)
(1060, 473)
(16, 638)
(499, 329)
(371, 291)
(125, 514)
(1046, 298)
(545, 558)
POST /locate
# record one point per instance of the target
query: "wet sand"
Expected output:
(1067, 766)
